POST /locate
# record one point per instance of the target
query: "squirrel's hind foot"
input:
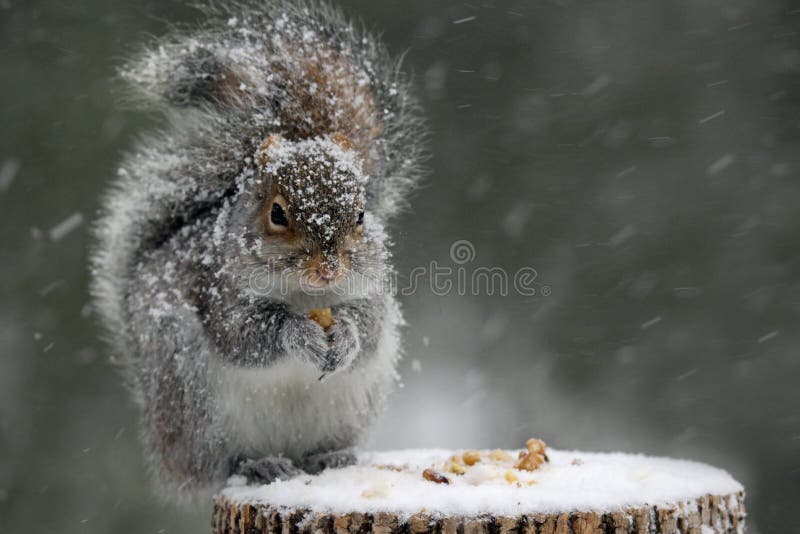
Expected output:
(316, 463)
(266, 470)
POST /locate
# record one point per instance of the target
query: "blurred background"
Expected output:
(643, 157)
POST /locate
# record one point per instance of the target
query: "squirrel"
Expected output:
(289, 140)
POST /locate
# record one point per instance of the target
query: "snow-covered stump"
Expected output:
(572, 493)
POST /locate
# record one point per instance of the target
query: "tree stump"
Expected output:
(571, 493)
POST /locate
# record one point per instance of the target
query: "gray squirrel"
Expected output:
(289, 140)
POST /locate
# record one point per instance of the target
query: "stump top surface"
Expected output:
(393, 482)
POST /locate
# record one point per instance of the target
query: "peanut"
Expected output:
(321, 316)
(456, 468)
(500, 456)
(471, 457)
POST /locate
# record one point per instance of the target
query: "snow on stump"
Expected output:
(557, 492)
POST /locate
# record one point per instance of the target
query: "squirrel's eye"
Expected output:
(278, 216)
(360, 219)
(278, 219)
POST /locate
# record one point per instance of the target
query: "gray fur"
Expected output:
(208, 316)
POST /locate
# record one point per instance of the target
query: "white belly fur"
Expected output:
(284, 409)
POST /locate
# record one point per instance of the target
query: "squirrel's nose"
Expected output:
(321, 271)
(324, 274)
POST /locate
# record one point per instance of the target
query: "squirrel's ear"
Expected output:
(267, 149)
(182, 74)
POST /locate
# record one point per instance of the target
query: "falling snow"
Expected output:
(65, 227)
(8, 171)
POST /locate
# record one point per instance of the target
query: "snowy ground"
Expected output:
(392, 482)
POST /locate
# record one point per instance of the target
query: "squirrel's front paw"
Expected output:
(307, 340)
(344, 346)
(266, 470)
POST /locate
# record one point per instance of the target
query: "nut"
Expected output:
(433, 476)
(535, 445)
(530, 461)
(498, 455)
(511, 477)
(471, 457)
(534, 456)
(321, 316)
(456, 468)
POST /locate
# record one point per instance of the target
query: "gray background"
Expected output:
(583, 139)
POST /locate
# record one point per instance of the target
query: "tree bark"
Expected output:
(710, 513)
